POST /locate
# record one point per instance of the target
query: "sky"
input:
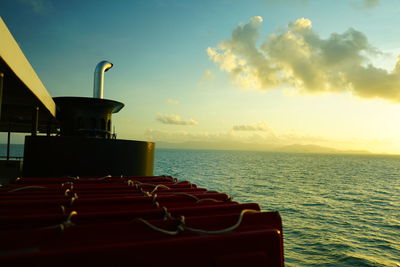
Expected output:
(238, 74)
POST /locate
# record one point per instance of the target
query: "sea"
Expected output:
(337, 210)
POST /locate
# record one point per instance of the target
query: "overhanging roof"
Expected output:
(23, 91)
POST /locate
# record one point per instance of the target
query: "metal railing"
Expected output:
(11, 157)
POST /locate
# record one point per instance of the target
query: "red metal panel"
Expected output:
(121, 220)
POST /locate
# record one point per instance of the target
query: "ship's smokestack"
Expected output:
(98, 88)
(85, 145)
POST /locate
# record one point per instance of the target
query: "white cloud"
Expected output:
(175, 120)
(246, 133)
(366, 3)
(260, 126)
(299, 58)
(208, 75)
(184, 136)
(229, 139)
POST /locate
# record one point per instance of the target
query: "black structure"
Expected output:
(85, 145)
(85, 116)
(83, 156)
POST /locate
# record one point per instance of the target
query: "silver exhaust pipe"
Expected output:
(98, 88)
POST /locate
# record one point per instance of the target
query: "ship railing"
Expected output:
(11, 157)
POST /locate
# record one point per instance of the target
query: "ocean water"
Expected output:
(337, 210)
(16, 150)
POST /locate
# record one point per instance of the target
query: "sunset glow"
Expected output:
(227, 75)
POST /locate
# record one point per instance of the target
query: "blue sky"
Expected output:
(175, 91)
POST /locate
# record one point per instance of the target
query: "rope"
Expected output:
(71, 185)
(133, 183)
(73, 177)
(62, 209)
(136, 184)
(207, 199)
(159, 186)
(157, 204)
(158, 229)
(188, 195)
(151, 195)
(154, 185)
(26, 187)
(67, 192)
(154, 197)
(167, 214)
(75, 197)
(226, 230)
(183, 227)
(105, 177)
(67, 223)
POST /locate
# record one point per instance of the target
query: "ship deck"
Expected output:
(152, 221)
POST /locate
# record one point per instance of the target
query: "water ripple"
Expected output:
(337, 210)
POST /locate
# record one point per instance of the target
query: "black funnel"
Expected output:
(84, 116)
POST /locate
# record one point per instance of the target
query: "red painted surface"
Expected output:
(107, 222)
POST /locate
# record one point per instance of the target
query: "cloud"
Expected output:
(172, 101)
(260, 126)
(366, 4)
(38, 6)
(371, 3)
(208, 75)
(232, 138)
(299, 58)
(257, 141)
(184, 136)
(175, 120)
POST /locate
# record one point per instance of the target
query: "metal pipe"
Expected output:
(98, 87)
(8, 144)
(1, 90)
(35, 121)
(49, 122)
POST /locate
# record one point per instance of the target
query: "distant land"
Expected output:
(17, 149)
(295, 148)
(319, 149)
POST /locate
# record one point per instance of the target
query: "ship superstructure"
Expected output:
(82, 197)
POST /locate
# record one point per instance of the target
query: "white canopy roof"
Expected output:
(23, 91)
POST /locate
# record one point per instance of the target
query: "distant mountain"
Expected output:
(318, 149)
(17, 149)
(216, 146)
(295, 148)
